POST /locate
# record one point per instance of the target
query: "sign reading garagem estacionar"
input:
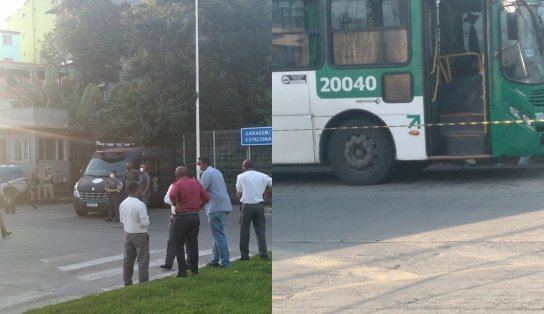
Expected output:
(256, 136)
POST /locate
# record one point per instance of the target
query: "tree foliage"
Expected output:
(148, 51)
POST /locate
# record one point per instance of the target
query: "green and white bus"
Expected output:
(366, 85)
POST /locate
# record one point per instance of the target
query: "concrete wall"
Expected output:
(34, 117)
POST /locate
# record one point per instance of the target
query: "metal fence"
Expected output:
(226, 153)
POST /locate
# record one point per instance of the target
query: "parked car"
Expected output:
(12, 183)
(90, 192)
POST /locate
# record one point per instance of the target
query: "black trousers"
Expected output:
(114, 200)
(186, 230)
(253, 213)
(171, 245)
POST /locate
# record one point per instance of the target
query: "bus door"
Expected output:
(296, 49)
(458, 81)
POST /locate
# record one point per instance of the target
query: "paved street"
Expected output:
(453, 240)
(54, 255)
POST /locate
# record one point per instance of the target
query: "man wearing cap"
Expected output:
(113, 190)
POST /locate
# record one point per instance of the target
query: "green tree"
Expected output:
(90, 34)
(149, 52)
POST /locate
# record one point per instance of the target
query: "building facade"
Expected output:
(32, 22)
(32, 137)
(35, 138)
(10, 46)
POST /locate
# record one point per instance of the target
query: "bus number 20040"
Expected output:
(347, 84)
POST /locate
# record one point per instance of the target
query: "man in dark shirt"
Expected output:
(189, 197)
(113, 191)
(131, 175)
(145, 184)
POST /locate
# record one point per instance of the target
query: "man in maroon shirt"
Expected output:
(189, 197)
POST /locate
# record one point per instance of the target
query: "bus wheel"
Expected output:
(361, 156)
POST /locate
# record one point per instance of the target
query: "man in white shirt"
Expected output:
(133, 216)
(251, 185)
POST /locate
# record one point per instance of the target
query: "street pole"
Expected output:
(197, 91)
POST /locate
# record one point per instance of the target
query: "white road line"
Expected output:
(59, 257)
(7, 301)
(119, 270)
(98, 261)
(114, 271)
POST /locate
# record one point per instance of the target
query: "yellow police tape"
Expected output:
(419, 126)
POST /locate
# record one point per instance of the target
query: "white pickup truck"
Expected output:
(12, 183)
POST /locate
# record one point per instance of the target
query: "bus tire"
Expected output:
(361, 156)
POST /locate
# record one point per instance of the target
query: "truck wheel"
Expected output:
(361, 156)
(80, 212)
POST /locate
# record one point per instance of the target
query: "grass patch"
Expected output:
(246, 287)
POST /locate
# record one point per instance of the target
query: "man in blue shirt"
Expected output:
(217, 210)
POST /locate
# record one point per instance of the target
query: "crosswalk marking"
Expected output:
(114, 271)
(98, 261)
(119, 270)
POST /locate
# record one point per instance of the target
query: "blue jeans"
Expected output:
(220, 251)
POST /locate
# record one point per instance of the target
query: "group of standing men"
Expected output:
(114, 188)
(187, 197)
(41, 185)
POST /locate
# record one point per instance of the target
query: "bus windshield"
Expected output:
(522, 43)
(101, 167)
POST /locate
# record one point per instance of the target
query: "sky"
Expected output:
(7, 8)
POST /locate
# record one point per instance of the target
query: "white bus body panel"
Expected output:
(292, 146)
(293, 139)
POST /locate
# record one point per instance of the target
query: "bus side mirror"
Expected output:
(512, 26)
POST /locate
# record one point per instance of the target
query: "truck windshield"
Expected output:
(101, 167)
(522, 43)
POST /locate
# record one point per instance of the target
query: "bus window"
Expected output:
(295, 34)
(366, 32)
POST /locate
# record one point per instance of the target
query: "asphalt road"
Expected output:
(54, 255)
(448, 240)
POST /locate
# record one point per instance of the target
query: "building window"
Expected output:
(50, 148)
(7, 40)
(21, 150)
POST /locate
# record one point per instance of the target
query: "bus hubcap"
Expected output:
(359, 151)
